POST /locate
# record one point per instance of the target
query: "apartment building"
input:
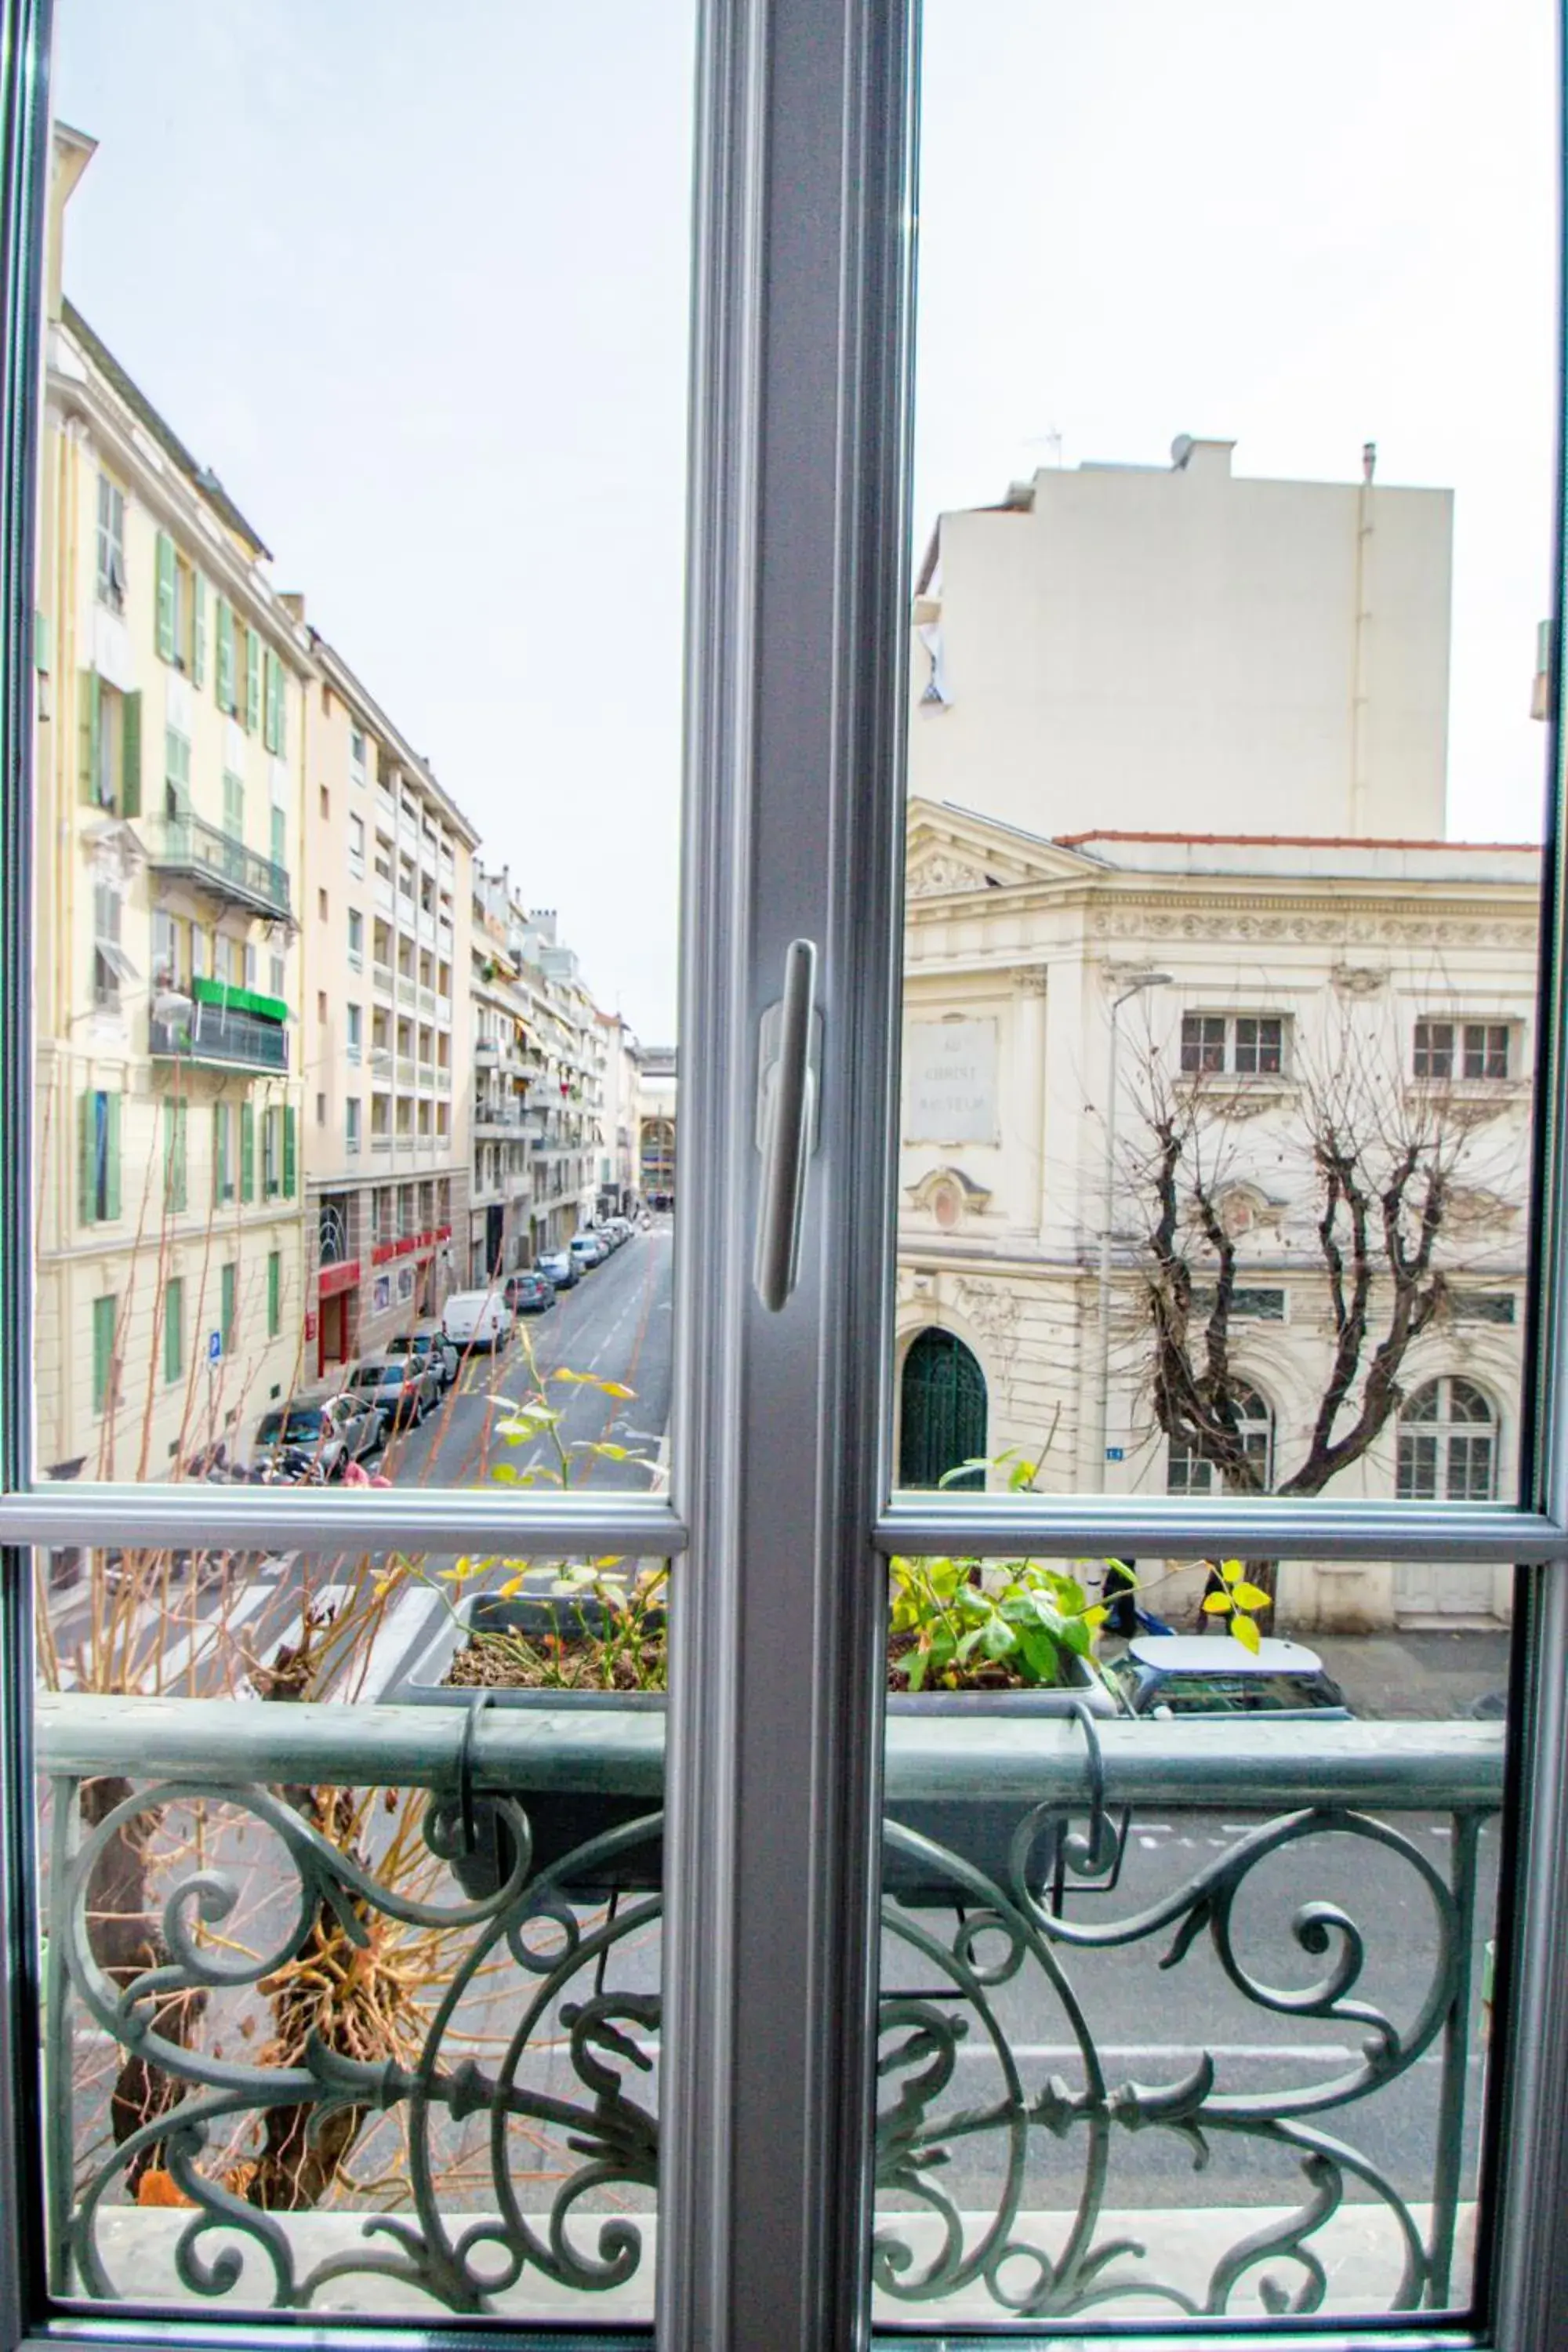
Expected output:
(656, 1125)
(171, 689)
(386, 1023)
(618, 1174)
(507, 1059)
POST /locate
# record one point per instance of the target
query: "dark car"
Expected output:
(1215, 1674)
(529, 1292)
(403, 1389)
(327, 1431)
(430, 1346)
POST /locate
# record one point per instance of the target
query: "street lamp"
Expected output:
(1136, 984)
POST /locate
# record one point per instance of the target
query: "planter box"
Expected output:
(563, 1820)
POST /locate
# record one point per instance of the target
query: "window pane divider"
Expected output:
(1271, 1528)
(199, 1517)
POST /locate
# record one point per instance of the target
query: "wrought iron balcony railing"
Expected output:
(374, 2062)
(188, 844)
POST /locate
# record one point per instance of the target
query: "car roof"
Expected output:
(1214, 1653)
(380, 1360)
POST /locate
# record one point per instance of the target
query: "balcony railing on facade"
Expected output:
(217, 861)
(380, 976)
(1310, 1902)
(224, 1035)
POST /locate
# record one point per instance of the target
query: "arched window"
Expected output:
(1193, 1470)
(1448, 1444)
(941, 1418)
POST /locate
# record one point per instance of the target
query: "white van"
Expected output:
(476, 1318)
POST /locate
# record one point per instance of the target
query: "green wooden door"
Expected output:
(941, 1417)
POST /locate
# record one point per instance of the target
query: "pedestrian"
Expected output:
(1118, 1590)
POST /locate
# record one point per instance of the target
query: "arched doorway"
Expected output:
(942, 1414)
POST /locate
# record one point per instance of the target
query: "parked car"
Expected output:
(404, 1388)
(431, 1345)
(326, 1427)
(589, 1250)
(1215, 1674)
(621, 1228)
(476, 1318)
(529, 1292)
(560, 1267)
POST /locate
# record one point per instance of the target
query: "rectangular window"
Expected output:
(234, 806)
(224, 666)
(274, 1292)
(110, 964)
(356, 938)
(1434, 1049)
(1486, 1049)
(355, 1031)
(357, 762)
(105, 1326)
(351, 1122)
(276, 976)
(176, 774)
(271, 1152)
(228, 1305)
(356, 847)
(252, 681)
(1244, 1045)
(248, 1152)
(174, 1330)
(111, 544)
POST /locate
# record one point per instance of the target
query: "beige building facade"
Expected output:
(171, 695)
(1062, 998)
(387, 1016)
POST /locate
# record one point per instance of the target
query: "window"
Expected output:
(356, 938)
(276, 976)
(1243, 1046)
(1192, 1469)
(176, 775)
(357, 765)
(223, 665)
(356, 1016)
(356, 847)
(99, 1157)
(1248, 1304)
(351, 1122)
(111, 544)
(1461, 1049)
(234, 807)
(1448, 1444)
(321, 1006)
(279, 838)
(322, 905)
(326, 803)
(110, 964)
(274, 1292)
(171, 964)
(271, 1152)
(174, 1330)
(105, 1330)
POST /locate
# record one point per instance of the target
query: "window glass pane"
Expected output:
(1226, 795)
(291, 609)
(1220, 950)
(480, 1964)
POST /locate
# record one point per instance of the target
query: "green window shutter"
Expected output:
(252, 680)
(226, 1286)
(234, 806)
(280, 711)
(174, 1329)
(289, 1152)
(267, 699)
(89, 713)
(103, 1320)
(130, 755)
(248, 1152)
(166, 597)
(112, 1154)
(274, 1292)
(87, 1186)
(199, 630)
(174, 1155)
(281, 837)
(220, 1152)
(223, 668)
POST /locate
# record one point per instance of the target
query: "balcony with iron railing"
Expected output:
(227, 1034)
(1176, 2018)
(217, 861)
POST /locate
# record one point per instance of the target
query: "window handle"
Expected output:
(789, 1059)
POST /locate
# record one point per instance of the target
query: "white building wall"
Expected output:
(1185, 649)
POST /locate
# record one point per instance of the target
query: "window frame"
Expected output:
(798, 570)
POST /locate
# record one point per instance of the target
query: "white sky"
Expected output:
(414, 280)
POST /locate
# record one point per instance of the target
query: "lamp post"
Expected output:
(1135, 987)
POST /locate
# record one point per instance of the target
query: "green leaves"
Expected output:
(1238, 1600)
(951, 1619)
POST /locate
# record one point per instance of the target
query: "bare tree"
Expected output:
(1378, 1158)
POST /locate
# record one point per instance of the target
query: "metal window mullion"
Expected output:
(194, 1515)
(794, 652)
(1199, 1525)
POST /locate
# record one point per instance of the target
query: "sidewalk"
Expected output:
(1415, 1676)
